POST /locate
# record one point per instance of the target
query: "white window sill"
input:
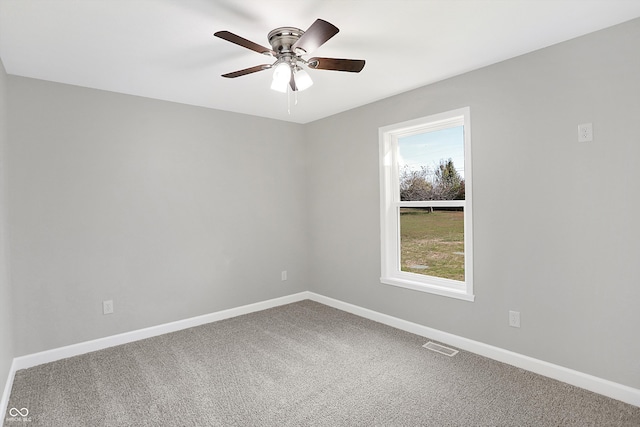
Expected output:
(429, 288)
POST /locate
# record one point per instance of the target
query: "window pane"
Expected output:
(431, 165)
(432, 242)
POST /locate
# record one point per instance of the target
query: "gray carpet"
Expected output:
(302, 364)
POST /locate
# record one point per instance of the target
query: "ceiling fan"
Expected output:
(288, 45)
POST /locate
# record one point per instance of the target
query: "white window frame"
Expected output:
(390, 205)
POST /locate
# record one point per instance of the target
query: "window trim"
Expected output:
(390, 203)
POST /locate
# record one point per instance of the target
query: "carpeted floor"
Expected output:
(302, 364)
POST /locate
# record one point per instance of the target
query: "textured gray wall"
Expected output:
(555, 221)
(170, 210)
(6, 322)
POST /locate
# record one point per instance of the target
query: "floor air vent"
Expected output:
(441, 349)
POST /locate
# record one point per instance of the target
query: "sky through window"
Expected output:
(427, 149)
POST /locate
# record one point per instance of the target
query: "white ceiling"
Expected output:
(165, 49)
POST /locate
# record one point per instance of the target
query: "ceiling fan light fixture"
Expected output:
(281, 77)
(302, 79)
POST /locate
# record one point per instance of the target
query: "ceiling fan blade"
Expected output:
(350, 65)
(247, 71)
(241, 41)
(317, 34)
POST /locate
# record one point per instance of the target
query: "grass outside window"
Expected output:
(432, 242)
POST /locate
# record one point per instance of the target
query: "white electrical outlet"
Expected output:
(283, 275)
(107, 307)
(585, 132)
(514, 319)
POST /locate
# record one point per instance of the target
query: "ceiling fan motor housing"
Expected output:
(282, 39)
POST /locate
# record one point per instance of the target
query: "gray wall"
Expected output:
(170, 210)
(556, 234)
(6, 321)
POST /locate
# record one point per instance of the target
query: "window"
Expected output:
(425, 213)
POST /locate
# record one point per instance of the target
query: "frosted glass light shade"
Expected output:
(302, 79)
(281, 77)
(279, 85)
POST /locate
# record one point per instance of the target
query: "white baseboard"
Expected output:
(52, 355)
(579, 379)
(30, 360)
(598, 385)
(4, 401)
